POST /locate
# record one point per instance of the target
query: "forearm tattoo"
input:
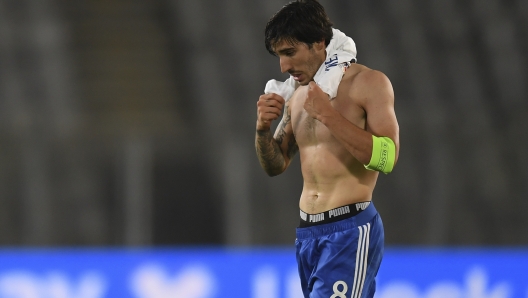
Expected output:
(292, 143)
(269, 153)
(269, 149)
(292, 147)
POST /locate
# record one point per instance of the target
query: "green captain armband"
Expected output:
(383, 155)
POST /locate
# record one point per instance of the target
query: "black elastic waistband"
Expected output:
(332, 215)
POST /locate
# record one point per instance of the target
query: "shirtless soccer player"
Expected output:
(343, 144)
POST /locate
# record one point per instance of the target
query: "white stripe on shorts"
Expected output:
(361, 260)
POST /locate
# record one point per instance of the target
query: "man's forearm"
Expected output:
(269, 153)
(356, 140)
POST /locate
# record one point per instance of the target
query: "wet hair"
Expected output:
(302, 21)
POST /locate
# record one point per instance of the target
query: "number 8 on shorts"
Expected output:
(337, 293)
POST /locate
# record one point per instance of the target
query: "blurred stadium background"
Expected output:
(131, 123)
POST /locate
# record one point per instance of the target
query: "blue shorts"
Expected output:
(341, 259)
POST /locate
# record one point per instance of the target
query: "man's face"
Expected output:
(299, 60)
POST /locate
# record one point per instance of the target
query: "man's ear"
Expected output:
(319, 46)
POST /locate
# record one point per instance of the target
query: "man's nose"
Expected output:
(284, 64)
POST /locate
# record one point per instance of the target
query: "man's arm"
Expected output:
(376, 97)
(274, 153)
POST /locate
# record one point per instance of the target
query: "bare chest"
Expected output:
(306, 129)
(309, 131)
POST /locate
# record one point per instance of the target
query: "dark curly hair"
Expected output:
(302, 21)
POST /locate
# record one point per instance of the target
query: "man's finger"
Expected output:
(274, 96)
(270, 110)
(273, 110)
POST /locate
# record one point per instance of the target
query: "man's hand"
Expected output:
(269, 108)
(317, 102)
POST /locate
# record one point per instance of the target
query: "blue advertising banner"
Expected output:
(250, 273)
(454, 273)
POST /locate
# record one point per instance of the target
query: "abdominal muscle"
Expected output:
(333, 178)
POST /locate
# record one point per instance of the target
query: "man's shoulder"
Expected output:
(298, 93)
(359, 79)
(359, 75)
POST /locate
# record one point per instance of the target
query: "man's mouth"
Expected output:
(296, 76)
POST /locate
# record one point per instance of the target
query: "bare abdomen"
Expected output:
(333, 178)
